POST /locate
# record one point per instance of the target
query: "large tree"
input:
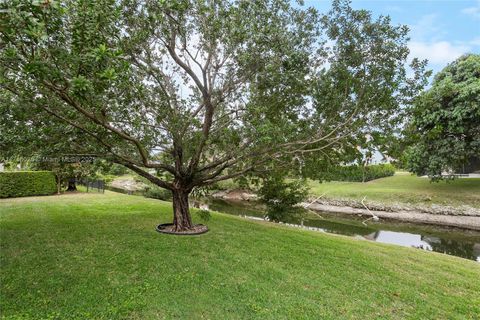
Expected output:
(189, 93)
(445, 127)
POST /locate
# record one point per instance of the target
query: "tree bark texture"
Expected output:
(181, 214)
(71, 185)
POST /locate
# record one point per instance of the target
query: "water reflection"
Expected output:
(400, 238)
(445, 240)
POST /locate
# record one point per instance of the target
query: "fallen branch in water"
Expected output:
(374, 217)
(310, 210)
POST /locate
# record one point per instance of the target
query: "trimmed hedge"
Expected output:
(27, 183)
(355, 173)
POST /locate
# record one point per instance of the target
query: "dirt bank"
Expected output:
(127, 183)
(463, 217)
(466, 222)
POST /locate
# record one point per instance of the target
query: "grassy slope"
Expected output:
(98, 256)
(405, 188)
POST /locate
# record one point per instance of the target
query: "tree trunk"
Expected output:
(71, 185)
(181, 214)
(59, 187)
(59, 184)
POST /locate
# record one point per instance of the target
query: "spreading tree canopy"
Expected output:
(445, 128)
(189, 93)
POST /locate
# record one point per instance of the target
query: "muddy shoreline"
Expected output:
(464, 217)
(459, 221)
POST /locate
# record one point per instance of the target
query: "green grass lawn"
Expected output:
(95, 256)
(405, 188)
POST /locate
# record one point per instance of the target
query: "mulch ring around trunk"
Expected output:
(170, 229)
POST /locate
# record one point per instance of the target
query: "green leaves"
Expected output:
(198, 91)
(26, 183)
(108, 74)
(81, 85)
(101, 52)
(34, 68)
(281, 197)
(445, 128)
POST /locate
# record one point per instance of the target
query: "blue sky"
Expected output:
(440, 30)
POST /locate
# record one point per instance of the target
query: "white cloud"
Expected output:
(473, 11)
(475, 42)
(440, 52)
(427, 27)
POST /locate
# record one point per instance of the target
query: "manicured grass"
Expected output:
(405, 188)
(94, 256)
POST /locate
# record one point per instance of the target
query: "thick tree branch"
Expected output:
(171, 49)
(147, 175)
(143, 153)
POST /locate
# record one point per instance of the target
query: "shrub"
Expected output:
(107, 178)
(281, 197)
(204, 214)
(117, 170)
(357, 173)
(157, 193)
(27, 183)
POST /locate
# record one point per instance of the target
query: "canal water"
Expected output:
(452, 241)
